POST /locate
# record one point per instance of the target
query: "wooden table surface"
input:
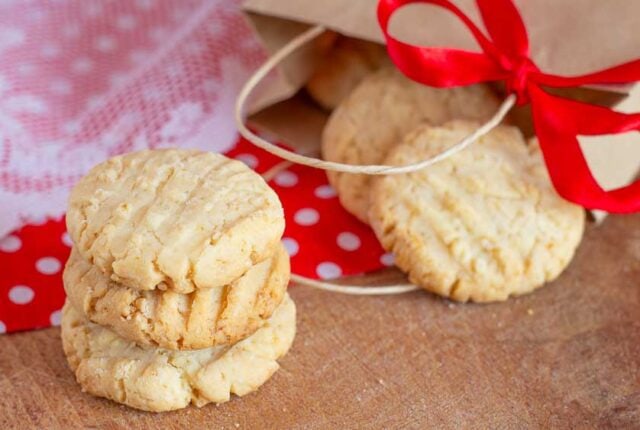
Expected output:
(567, 356)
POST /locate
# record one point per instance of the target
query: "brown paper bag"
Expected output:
(566, 38)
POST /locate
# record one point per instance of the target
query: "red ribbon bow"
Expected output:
(557, 121)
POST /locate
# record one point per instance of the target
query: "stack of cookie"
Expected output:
(176, 284)
(483, 225)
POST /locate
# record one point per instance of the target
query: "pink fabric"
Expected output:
(83, 80)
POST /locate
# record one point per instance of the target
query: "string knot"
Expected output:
(520, 71)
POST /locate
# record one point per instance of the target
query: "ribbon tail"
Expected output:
(620, 74)
(558, 122)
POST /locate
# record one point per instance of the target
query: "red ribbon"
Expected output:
(557, 121)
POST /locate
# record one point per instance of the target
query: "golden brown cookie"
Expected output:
(156, 379)
(174, 219)
(201, 319)
(481, 225)
(376, 116)
(345, 65)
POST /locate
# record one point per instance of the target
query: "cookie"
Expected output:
(482, 225)
(201, 319)
(376, 116)
(174, 219)
(156, 379)
(346, 64)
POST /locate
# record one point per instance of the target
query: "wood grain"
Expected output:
(567, 356)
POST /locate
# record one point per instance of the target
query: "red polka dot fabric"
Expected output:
(32, 260)
(323, 240)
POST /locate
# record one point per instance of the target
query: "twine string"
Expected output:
(354, 290)
(368, 169)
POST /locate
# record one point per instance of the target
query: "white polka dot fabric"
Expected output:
(10, 243)
(306, 216)
(348, 241)
(21, 294)
(48, 265)
(328, 270)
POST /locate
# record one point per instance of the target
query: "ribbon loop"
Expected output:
(505, 26)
